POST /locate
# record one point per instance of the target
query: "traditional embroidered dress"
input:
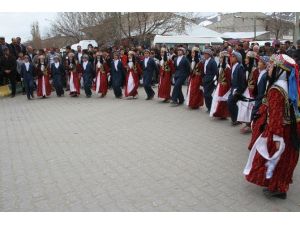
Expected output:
(165, 78)
(273, 156)
(73, 70)
(43, 86)
(194, 97)
(132, 77)
(101, 83)
(219, 106)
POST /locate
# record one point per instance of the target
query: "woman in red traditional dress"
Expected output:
(275, 153)
(102, 69)
(166, 70)
(133, 74)
(195, 89)
(73, 68)
(245, 107)
(43, 74)
(219, 106)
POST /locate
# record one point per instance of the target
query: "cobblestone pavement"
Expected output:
(79, 154)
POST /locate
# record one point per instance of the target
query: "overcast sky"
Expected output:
(18, 24)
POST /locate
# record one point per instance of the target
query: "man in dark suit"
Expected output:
(58, 73)
(117, 75)
(27, 75)
(182, 70)
(87, 75)
(210, 76)
(8, 66)
(149, 68)
(261, 85)
(238, 85)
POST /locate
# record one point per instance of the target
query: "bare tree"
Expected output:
(280, 23)
(36, 36)
(70, 24)
(142, 24)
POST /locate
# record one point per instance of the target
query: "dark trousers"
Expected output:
(149, 91)
(147, 83)
(209, 87)
(208, 95)
(233, 109)
(12, 81)
(57, 83)
(117, 90)
(177, 95)
(28, 83)
(87, 85)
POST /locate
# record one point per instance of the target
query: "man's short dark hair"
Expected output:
(268, 44)
(68, 47)
(288, 42)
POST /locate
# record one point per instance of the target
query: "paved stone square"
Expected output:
(79, 154)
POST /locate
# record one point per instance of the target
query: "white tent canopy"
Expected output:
(159, 39)
(195, 34)
(242, 35)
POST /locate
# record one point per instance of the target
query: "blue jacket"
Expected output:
(56, 72)
(261, 90)
(238, 80)
(88, 71)
(183, 69)
(148, 71)
(27, 75)
(211, 71)
(117, 76)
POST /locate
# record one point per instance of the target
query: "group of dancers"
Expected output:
(259, 91)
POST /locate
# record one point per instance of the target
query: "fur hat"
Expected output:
(264, 59)
(208, 51)
(238, 56)
(251, 54)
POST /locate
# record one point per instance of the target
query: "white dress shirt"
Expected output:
(179, 59)
(84, 64)
(56, 65)
(116, 64)
(27, 66)
(205, 64)
(261, 73)
(233, 69)
(146, 61)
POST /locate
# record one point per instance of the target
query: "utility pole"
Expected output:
(254, 21)
(296, 29)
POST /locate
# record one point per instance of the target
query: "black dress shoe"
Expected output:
(12, 96)
(274, 194)
(174, 104)
(235, 123)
